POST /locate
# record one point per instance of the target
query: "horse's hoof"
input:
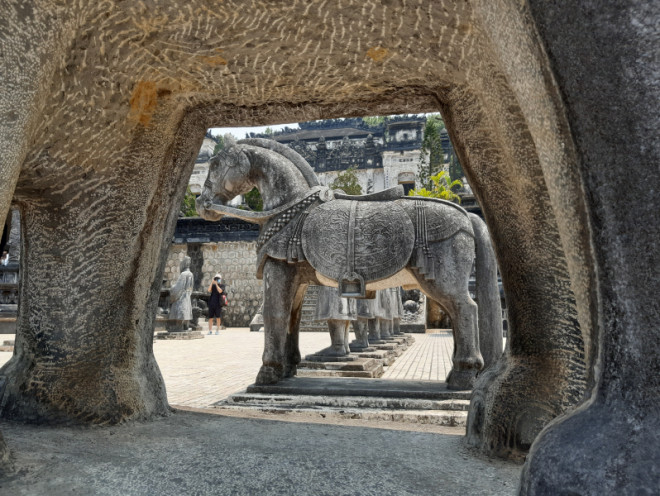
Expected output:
(268, 375)
(332, 352)
(290, 371)
(461, 380)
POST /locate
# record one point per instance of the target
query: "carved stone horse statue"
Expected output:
(310, 234)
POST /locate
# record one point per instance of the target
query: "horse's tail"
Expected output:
(487, 294)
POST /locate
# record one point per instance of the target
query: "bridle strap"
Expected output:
(263, 217)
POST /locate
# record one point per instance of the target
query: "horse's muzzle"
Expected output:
(202, 205)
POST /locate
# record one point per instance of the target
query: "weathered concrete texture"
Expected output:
(605, 58)
(191, 453)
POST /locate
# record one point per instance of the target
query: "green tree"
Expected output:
(254, 201)
(432, 155)
(188, 204)
(442, 187)
(374, 120)
(347, 181)
(455, 169)
(220, 146)
(269, 131)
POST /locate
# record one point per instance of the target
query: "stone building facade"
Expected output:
(201, 168)
(384, 155)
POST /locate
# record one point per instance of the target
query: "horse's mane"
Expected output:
(297, 160)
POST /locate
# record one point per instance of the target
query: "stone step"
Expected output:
(181, 336)
(350, 366)
(343, 363)
(386, 357)
(381, 388)
(308, 401)
(452, 418)
(367, 374)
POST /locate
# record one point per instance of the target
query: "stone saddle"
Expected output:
(354, 242)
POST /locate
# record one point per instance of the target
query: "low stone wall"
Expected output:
(236, 261)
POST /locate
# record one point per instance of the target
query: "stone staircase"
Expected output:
(420, 402)
(307, 322)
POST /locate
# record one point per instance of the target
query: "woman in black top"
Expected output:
(216, 302)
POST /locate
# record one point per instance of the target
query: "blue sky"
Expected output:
(239, 132)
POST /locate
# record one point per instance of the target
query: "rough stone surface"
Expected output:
(611, 65)
(195, 453)
(4, 455)
(550, 104)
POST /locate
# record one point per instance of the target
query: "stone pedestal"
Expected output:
(257, 323)
(348, 366)
(7, 345)
(182, 335)
(387, 357)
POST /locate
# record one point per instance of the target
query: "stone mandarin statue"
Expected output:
(181, 309)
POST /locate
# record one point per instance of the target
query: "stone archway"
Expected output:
(121, 201)
(108, 112)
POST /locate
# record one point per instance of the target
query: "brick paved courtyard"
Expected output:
(201, 372)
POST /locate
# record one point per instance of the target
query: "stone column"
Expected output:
(542, 372)
(96, 241)
(509, 129)
(605, 59)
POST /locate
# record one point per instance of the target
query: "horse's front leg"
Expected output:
(280, 288)
(292, 339)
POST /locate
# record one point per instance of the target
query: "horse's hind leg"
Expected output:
(467, 360)
(453, 261)
(280, 287)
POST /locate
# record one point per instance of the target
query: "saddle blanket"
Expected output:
(372, 239)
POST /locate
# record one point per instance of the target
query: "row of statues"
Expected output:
(373, 319)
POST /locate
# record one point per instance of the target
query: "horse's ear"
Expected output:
(243, 162)
(229, 140)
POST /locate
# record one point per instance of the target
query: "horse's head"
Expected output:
(229, 176)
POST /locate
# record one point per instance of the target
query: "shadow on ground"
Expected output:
(204, 453)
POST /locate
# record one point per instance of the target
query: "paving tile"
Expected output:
(200, 372)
